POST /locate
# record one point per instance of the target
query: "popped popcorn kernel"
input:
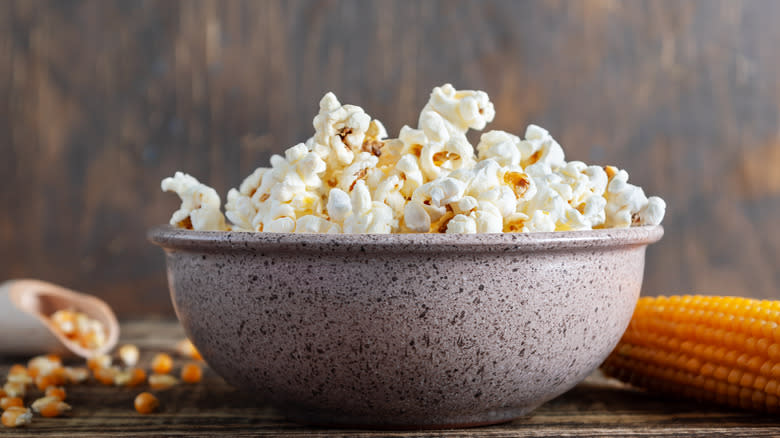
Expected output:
(199, 204)
(348, 177)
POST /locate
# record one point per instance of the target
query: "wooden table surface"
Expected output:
(597, 407)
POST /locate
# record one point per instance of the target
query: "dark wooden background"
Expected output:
(99, 100)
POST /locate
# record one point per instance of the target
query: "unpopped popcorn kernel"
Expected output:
(7, 402)
(162, 381)
(191, 373)
(76, 375)
(15, 389)
(50, 406)
(106, 376)
(186, 348)
(130, 377)
(16, 416)
(146, 403)
(99, 361)
(56, 392)
(162, 363)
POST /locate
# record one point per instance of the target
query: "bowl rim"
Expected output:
(171, 238)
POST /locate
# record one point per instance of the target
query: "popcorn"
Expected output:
(488, 220)
(350, 178)
(340, 128)
(339, 205)
(199, 204)
(439, 159)
(624, 201)
(409, 171)
(357, 170)
(450, 113)
(316, 224)
(653, 212)
(542, 147)
(416, 217)
(367, 216)
(502, 147)
(461, 224)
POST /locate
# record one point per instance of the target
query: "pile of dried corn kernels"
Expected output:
(42, 382)
(80, 328)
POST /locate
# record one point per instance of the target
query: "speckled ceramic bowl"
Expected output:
(400, 331)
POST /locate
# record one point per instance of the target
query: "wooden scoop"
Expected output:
(25, 327)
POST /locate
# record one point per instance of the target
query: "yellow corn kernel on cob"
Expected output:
(719, 349)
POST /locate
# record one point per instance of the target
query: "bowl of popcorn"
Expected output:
(410, 282)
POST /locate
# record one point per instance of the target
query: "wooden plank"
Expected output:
(597, 407)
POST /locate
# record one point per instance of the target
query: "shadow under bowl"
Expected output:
(405, 330)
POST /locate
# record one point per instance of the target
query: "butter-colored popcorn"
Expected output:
(350, 178)
(199, 204)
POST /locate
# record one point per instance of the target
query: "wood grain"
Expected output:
(99, 100)
(597, 407)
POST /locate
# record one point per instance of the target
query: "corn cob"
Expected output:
(717, 349)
